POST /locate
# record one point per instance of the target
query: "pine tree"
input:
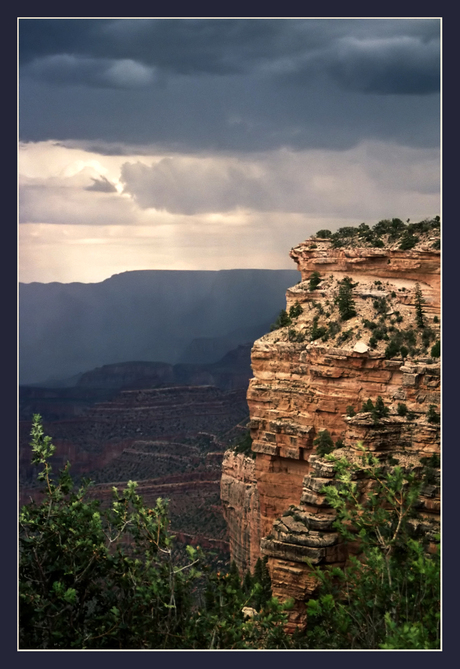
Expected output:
(344, 299)
(315, 280)
(419, 301)
(323, 443)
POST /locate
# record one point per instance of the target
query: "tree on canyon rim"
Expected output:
(344, 299)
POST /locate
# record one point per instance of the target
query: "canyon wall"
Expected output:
(313, 374)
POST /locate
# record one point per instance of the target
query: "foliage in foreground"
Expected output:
(390, 597)
(108, 578)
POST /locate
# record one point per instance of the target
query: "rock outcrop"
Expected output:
(315, 373)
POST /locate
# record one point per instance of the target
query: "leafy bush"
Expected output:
(345, 336)
(282, 321)
(333, 328)
(315, 280)
(295, 310)
(408, 241)
(346, 231)
(392, 349)
(390, 598)
(317, 332)
(436, 350)
(323, 234)
(431, 461)
(244, 445)
(295, 336)
(402, 409)
(94, 578)
(432, 415)
(380, 305)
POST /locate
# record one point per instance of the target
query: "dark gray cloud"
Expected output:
(230, 84)
(102, 185)
(283, 181)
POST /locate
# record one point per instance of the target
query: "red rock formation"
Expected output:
(304, 383)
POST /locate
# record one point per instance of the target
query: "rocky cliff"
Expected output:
(362, 323)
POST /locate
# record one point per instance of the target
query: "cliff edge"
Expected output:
(362, 326)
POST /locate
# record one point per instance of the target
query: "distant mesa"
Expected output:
(158, 316)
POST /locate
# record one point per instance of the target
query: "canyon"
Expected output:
(159, 316)
(361, 324)
(315, 373)
(170, 439)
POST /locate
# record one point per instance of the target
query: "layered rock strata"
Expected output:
(170, 439)
(314, 374)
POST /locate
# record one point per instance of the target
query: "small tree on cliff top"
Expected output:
(344, 299)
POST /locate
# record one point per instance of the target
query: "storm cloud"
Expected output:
(218, 143)
(229, 84)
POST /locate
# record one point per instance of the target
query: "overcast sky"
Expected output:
(218, 143)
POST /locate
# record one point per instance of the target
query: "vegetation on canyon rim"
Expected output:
(390, 596)
(342, 316)
(403, 236)
(107, 578)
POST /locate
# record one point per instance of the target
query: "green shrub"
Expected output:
(323, 443)
(295, 336)
(380, 305)
(282, 321)
(110, 578)
(408, 241)
(390, 599)
(432, 415)
(315, 280)
(323, 234)
(431, 461)
(368, 405)
(295, 310)
(392, 349)
(344, 299)
(402, 409)
(436, 350)
(317, 332)
(379, 410)
(244, 445)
